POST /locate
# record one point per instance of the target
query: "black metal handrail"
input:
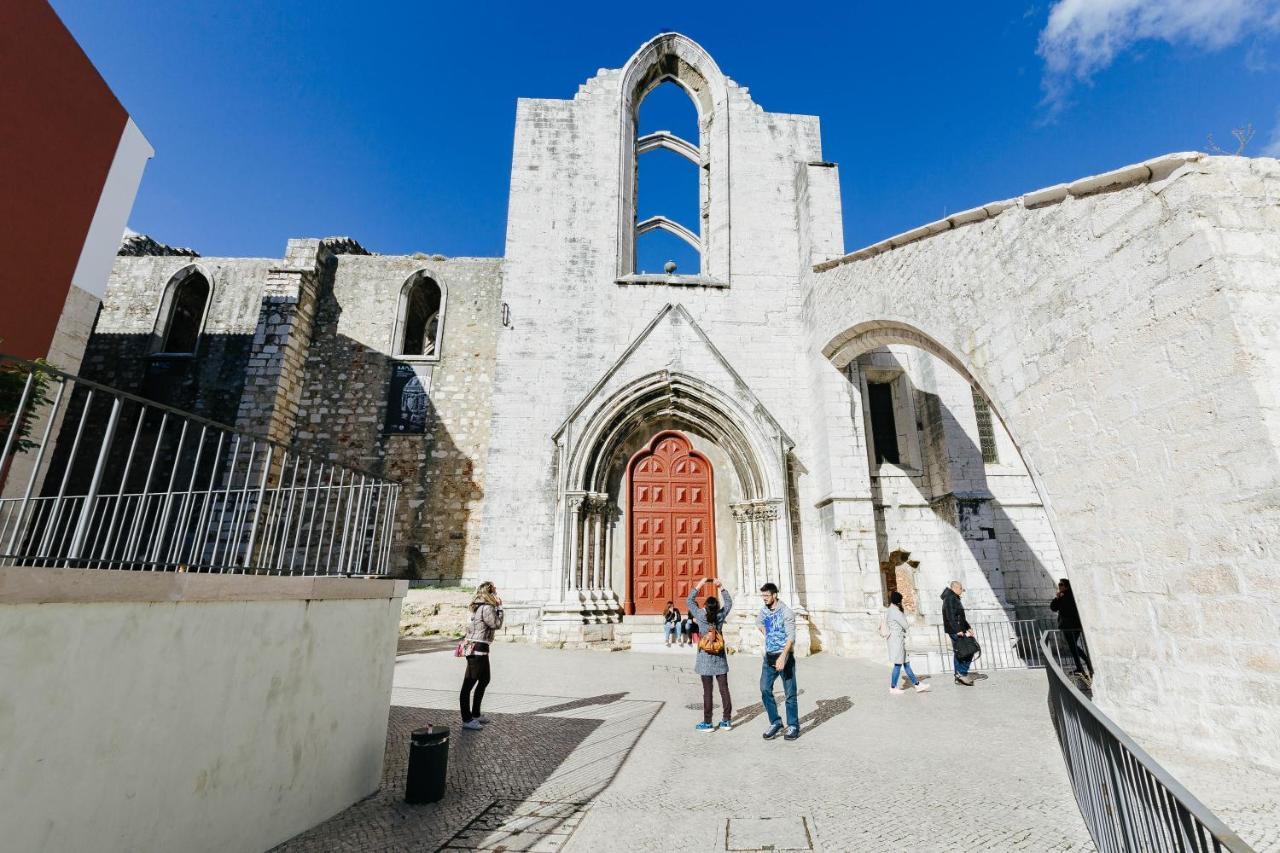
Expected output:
(1128, 801)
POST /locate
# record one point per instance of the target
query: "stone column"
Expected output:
(277, 360)
(573, 550)
(746, 561)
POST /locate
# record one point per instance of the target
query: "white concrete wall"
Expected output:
(1128, 340)
(164, 712)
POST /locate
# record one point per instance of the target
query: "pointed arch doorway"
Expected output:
(672, 510)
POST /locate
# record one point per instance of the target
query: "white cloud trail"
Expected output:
(1083, 37)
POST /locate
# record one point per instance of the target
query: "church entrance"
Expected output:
(673, 539)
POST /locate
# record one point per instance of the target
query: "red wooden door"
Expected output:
(673, 540)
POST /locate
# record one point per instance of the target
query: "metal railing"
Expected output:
(98, 478)
(1127, 800)
(1005, 643)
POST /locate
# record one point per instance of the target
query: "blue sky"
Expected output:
(392, 122)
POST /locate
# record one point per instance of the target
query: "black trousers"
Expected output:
(727, 704)
(1074, 643)
(473, 685)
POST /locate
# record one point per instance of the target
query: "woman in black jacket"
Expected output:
(1064, 604)
(671, 623)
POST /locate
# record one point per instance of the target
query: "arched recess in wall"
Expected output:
(873, 340)
(676, 59)
(419, 328)
(184, 308)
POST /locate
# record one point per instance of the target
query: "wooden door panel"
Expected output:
(673, 526)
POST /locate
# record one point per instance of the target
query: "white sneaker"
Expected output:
(473, 726)
(922, 688)
(897, 691)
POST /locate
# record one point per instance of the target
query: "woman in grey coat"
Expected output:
(896, 621)
(712, 666)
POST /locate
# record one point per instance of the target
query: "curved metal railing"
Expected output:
(99, 478)
(1127, 800)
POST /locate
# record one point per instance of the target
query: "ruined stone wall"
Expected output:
(211, 382)
(572, 320)
(343, 402)
(1123, 327)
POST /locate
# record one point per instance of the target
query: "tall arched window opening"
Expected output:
(668, 182)
(668, 150)
(421, 315)
(188, 299)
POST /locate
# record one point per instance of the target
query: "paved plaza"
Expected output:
(594, 751)
(597, 751)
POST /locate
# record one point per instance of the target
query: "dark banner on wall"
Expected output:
(407, 399)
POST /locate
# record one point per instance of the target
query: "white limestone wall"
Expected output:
(155, 712)
(1124, 328)
(572, 321)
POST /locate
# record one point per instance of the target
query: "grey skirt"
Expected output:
(711, 664)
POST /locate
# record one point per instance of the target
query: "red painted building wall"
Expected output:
(61, 129)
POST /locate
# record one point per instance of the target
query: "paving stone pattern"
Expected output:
(611, 761)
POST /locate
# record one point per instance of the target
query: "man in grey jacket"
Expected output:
(777, 622)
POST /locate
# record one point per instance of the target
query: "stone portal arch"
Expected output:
(1120, 338)
(594, 449)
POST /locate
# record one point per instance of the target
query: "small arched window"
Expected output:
(187, 298)
(421, 317)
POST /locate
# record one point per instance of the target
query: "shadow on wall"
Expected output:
(343, 412)
(1025, 583)
(342, 417)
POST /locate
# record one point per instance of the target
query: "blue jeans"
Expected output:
(768, 675)
(962, 666)
(893, 679)
(671, 631)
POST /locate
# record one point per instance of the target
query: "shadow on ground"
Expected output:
(494, 765)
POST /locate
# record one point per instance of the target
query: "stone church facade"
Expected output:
(953, 402)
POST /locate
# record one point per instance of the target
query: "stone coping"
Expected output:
(1155, 169)
(32, 585)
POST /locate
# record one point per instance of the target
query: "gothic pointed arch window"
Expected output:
(675, 166)
(669, 192)
(182, 313)
(420, 324)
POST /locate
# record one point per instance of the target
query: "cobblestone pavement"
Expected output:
(593, 751)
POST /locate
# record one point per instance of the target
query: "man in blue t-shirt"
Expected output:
(777, 622)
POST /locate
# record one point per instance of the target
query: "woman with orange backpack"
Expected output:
(712, 662)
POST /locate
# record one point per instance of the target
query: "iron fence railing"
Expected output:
(1127, 800)
(95, 477)
(1006, 644)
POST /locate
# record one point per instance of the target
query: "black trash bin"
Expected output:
(428, 765)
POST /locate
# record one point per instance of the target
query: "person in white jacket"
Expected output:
(896, 623)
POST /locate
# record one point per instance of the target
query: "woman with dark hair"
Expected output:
(671, 623)
(486, 619)
(712, 663)
(1064, 604)
(896, 622)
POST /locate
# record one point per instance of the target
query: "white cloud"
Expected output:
(1084, 36)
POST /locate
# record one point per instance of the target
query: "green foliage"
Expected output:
(13, 379)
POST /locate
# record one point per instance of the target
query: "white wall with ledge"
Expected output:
(161, 711)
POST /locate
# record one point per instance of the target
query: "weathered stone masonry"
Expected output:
(1121, 330)
(299, 349)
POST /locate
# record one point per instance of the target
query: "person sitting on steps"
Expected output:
(671, 623)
